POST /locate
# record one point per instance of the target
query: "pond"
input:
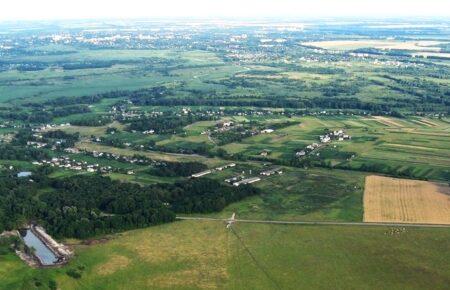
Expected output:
(41, 250)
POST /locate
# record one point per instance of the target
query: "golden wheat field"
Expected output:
(402, 200)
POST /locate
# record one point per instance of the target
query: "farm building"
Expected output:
(247, 181)
(272, 171)
(226, 166)
(267, 131)
(200, 174)
(24, 174)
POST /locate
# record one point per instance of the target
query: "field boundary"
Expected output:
(318, 223)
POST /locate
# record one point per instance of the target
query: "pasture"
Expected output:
(408, 201)
(206, 255)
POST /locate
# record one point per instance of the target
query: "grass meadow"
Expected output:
(205, 255)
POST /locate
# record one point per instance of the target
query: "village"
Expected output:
(65, 162)
(337, 135)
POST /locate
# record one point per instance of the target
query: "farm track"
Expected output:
(318, 223)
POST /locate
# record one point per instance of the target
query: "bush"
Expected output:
(74, 273)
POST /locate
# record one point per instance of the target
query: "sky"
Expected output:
(89, 9)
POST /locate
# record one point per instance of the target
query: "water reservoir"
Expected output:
(41, 250)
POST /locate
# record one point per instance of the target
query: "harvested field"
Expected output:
(388, 121)
(402, 200)
(429, 122)
(423, 124)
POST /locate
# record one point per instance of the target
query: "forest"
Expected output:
(87, 205)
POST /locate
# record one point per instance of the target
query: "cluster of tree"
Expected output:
(204, 195)
(30, 117)
(239, 133)
(326, 70)
(82, 206)
(91, 120)
(140, 97)
(338, 88)
(23, 136)
(112, 140)
(236, 82)
(247, 101)
(401, 172)
(31, 66)
(165, 124)
(57, 138)
(17, 202)
(8, 244)
(92, 64)
(86, 205)
(230, 136)
(38, 65)
(68, 110)
(65, 140)
(40, 114)
(201, 148)
(10, 152)
(171, 169)
(280, 125)
(96, 98)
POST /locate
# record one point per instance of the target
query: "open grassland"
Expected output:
(410, 201)
(205, 255)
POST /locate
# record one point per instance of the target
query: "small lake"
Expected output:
(45, 255)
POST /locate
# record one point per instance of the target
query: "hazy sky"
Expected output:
(78, 9)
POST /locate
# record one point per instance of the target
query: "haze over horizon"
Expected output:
(92, 9)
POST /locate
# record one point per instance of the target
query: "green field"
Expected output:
(205, 255)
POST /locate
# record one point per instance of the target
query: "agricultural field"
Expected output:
(409, 201)
(415, 146)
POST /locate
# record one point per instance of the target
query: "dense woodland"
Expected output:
(9, 152)
(88, 205)
(171, 169)
(167, 123)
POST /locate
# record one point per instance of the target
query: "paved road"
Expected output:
(317, 223)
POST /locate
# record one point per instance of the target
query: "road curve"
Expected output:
(320, 223)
